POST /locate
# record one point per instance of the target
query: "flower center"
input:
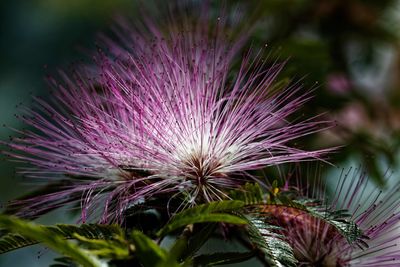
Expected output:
(199, 170)
(206, 179)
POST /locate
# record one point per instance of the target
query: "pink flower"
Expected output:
(375, 212)
(338, 83)
(164, 114)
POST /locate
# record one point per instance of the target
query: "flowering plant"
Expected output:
(161, 138)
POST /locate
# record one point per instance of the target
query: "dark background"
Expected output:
(349, 48)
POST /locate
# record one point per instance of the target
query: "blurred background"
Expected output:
(347, 49)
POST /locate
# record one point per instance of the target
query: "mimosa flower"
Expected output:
(163, 112)
(376, 213)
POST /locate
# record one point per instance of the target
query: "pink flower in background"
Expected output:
(375, 212)
(163, 113)
(338, 83)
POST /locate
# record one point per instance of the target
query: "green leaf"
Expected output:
(338, 219)
(149, 253)
(205, 213)
(12, 241)
(276, 250)
(198, 239)
(250, 194)
(221, 258)
(213, 217)
(152, 255)
(176, 251)
(116, 248)
(63, 262)
(50, 239)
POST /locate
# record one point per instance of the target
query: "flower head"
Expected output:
(163, 112)
(367, 236)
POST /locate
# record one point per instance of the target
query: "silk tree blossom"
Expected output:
(375, 212)
(164, 112)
